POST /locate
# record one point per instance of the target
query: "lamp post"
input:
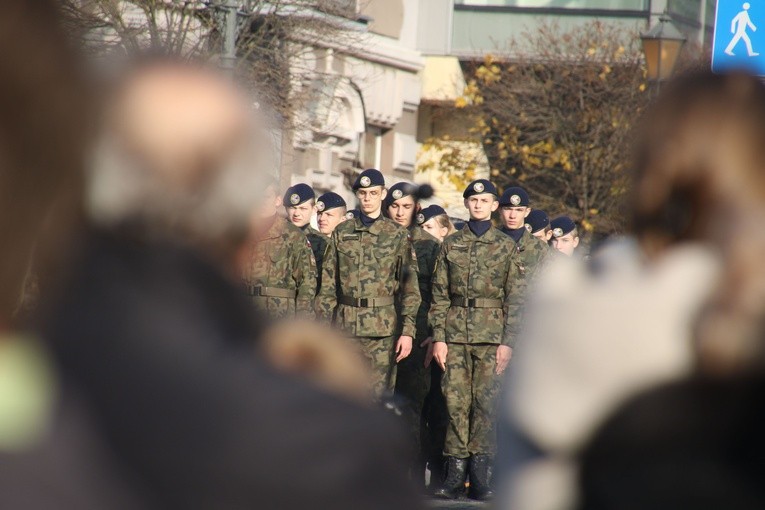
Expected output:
(661, 47)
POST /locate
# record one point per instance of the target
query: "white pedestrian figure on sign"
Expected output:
(738, 26)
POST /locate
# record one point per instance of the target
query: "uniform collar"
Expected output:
(491, 235)
(375, 228)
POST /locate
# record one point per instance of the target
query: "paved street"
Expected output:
(457, 505)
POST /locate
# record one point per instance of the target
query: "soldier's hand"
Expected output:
(428, 342)
(440, 350)
(403, 347)
(504, 353)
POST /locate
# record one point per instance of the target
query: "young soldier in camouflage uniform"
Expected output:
(331, 211)
(280, 271)
(299, 203)
(474, 317)
(370, 262)
(529, 252)
(538, 223)
(565, 238)
(413, 377)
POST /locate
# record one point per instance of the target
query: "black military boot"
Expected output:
(454, 483)
(481, 467)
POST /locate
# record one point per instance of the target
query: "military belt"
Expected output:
(259, 291)
(366, 302)
(476, 302)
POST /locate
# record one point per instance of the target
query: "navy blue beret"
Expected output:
(429, 212)
(328, 201)
(562, 225)
(297, 194)
(399, 191)
(369, 177)
(537, 220)
(514, 197)
(479, 186)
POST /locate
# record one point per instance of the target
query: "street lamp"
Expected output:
(661, 46)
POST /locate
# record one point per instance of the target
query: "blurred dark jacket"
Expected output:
(161, 343)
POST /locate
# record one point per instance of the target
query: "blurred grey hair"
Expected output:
(121, 189)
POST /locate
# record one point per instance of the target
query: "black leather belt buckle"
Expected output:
(471, 303)
(364, 302)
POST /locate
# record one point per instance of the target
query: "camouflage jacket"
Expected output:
(468, 268)
(319, 243)
(281, 262)
(366, 263)
(426, 247)
(529, 254)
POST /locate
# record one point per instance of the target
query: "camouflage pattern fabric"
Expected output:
(530, 254)
(380, 355)
(281, 258)
(377, 261)
(476, 267)
(471, 388)
(413, 379)
(319, 243)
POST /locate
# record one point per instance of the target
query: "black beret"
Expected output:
(562, 225)
(514, 197)
(369, 177)
(297, 194)
(537, 220)
(429, 212)
(329, 200)
(479, 186)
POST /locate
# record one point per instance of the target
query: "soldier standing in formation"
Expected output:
(299, 204)
(434, 220)
(565, 235)
(330, 213)
(538, 223)
(514, 210)
(280, 271)
(413, 378)
(370, 263)
(474, 317)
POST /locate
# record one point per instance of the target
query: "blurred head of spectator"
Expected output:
(699, 178)
(169, 170)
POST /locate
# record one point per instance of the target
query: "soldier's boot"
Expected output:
(454, 483)
(481, 468)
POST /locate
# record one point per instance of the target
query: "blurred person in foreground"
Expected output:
(154, 329)
(685, 296)
(53, 454)
(697, 443)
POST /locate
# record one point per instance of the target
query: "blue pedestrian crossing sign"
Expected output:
(739, 37)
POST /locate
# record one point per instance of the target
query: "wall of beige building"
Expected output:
(367, 112)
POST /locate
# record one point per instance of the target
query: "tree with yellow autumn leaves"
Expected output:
(556, 117)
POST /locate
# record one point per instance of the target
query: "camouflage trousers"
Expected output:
(379, 353)
(470, 387)
(412, 386)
